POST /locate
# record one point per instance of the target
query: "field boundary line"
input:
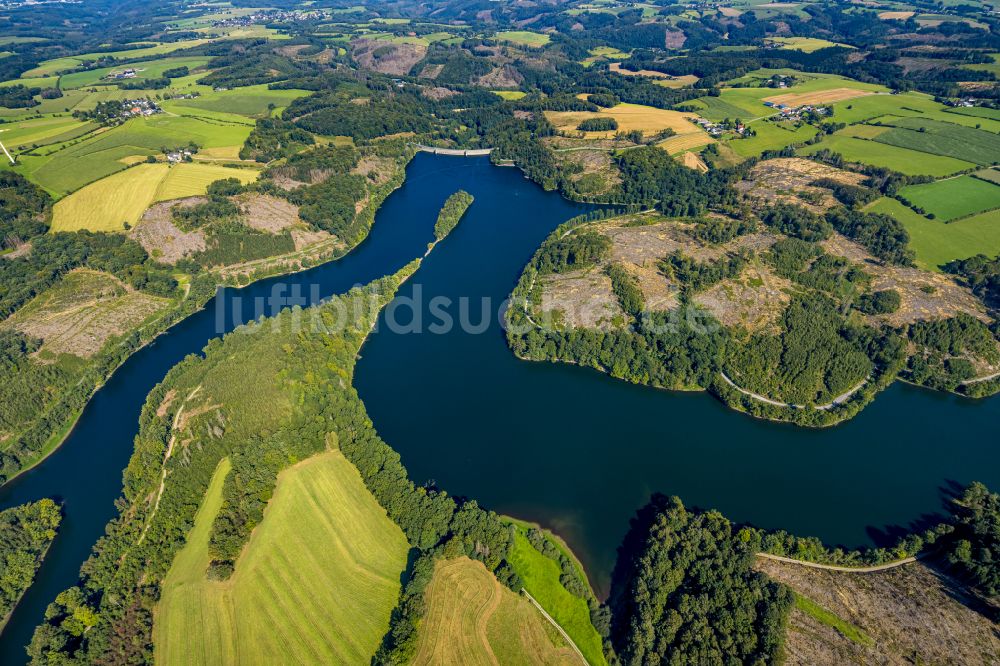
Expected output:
(834, 567)
(555, 624)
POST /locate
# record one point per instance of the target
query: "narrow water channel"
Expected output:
(86, 472)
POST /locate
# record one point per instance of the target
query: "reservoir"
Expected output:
(561, 445)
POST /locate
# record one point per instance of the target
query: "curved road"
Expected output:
(833, 567)
(840, 399)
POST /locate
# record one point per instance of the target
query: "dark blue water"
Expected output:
(580, 452)
(561, 445)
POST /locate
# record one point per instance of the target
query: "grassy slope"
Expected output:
(315, 585)
(470, 617)
(541, 579)
(955, 197)
(936, 242)
(123, 197)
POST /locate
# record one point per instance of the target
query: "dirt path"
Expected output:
(981, 379)
(832, 567)
(840, 399)
(554, 624)
(166, 457)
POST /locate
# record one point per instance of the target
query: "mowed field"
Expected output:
(647, 119)
(936, 242)
(954, 197)
(904, 160)
(316, 584)
(472, 619)
(523, 37)
(111, 202)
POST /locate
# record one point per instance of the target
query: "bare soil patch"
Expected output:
(81, 312)
(438, 93)
(387, 57)
(895, 16)
(266, 213)
(378, 170)
(431, 71)
(501, 77)
(580, 299)
(913, 614)
(754, 300)
(946, 298)
(162, 239)
(788, 179)
(674, 39)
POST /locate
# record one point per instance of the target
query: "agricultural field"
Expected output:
(748, 103)
(149, 69)
(81, 312)
(39, 131)
(953, 198)
(904, 160)
(66, 167)
(541, 578)
(523, 38)
(250, 101)
(111, 203)
(804, 44)
(603, 53)
(334, 607)
(935, 242)
(509, 94)
(942, 138)
(55, 65)
(472, 619)
(647, 119)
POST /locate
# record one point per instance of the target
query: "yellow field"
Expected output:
(630, 117)
(189, 179)
(315, 585)
(677, 81)
(817, 97)
(472, 619)
(682, 142)
(693, 161)
(897, 16)
(110, 203)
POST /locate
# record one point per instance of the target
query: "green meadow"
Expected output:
(942, 138)
(903, 160)
(541, 578)
(954, 197)
(936, 242)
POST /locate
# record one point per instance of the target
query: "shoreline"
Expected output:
(67, 426)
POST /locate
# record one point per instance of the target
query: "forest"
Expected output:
(451, 213)
(686, 593)
(26, 532)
